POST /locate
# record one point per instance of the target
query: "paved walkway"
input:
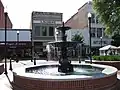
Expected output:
(5, 81)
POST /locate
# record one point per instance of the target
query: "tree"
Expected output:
(108, 12)
(77, 37)
(116, 39)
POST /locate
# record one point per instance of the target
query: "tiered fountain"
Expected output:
(65, 75)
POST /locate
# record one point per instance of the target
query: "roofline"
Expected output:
(10, 20)
(82, 6)
(2, 29)
(77, 12)
(46, 12)
(71, 17)
(2, 3)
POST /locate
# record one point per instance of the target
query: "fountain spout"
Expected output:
(65, 65)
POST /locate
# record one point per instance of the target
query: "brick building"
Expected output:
(79, 24)
(2, 18)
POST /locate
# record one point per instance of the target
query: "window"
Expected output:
(97, 20)
(99, 32)
(44, 31)
(51, 31)
(104, 35)
(37, 31)
(93, 30)
(92, 18)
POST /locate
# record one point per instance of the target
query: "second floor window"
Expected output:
(51, 31)
(93, 31)
(92, 18)
(104, 33)
(97, 20)
(44, 31)
(37, 31)
(99, 32)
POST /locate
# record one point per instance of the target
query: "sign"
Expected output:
(47, 18)
(47, 22)
(99, 42)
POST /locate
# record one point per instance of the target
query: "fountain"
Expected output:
(65, 65)
(65, 75)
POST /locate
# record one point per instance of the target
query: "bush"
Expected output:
(107, 58)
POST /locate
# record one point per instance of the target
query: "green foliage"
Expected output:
(107, 58)
(108, 12)
(77, 37)
(116, 39)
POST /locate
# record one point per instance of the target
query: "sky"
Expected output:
(20, 11)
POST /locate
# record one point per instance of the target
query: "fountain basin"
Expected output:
(31, 81)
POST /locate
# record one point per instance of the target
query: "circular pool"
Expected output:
(84, 77)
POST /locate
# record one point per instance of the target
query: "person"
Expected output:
(48, 54)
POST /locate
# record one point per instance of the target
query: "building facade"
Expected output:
(79, 24)
(43, 28)
(2, 18)
(18, 42)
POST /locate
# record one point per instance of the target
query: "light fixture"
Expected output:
(89, 26)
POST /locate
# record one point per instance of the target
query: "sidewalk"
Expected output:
(4, 82)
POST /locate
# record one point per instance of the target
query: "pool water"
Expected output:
(86, 70)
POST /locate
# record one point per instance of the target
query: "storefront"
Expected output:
(15, 49)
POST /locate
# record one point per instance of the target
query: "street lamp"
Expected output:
(89, 25)
(31, 45)
(101, 41)
(17, 44)
(32, 39)
(5, 15)
(10, 64)
(17, 37)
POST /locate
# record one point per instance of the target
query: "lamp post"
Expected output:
(5, 14)
(10, 64)
(32, 39)
(89, 25)
(17, 38)
(17, 44)
(101, 41)
(31, 45)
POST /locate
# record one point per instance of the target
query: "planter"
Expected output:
(1, 68)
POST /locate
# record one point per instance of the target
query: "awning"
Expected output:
(108, 47)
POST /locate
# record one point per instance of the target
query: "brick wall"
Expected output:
(105, 83)
(2, 18)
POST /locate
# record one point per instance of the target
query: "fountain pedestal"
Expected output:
(65, 65)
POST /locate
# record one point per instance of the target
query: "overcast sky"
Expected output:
(20, 11)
